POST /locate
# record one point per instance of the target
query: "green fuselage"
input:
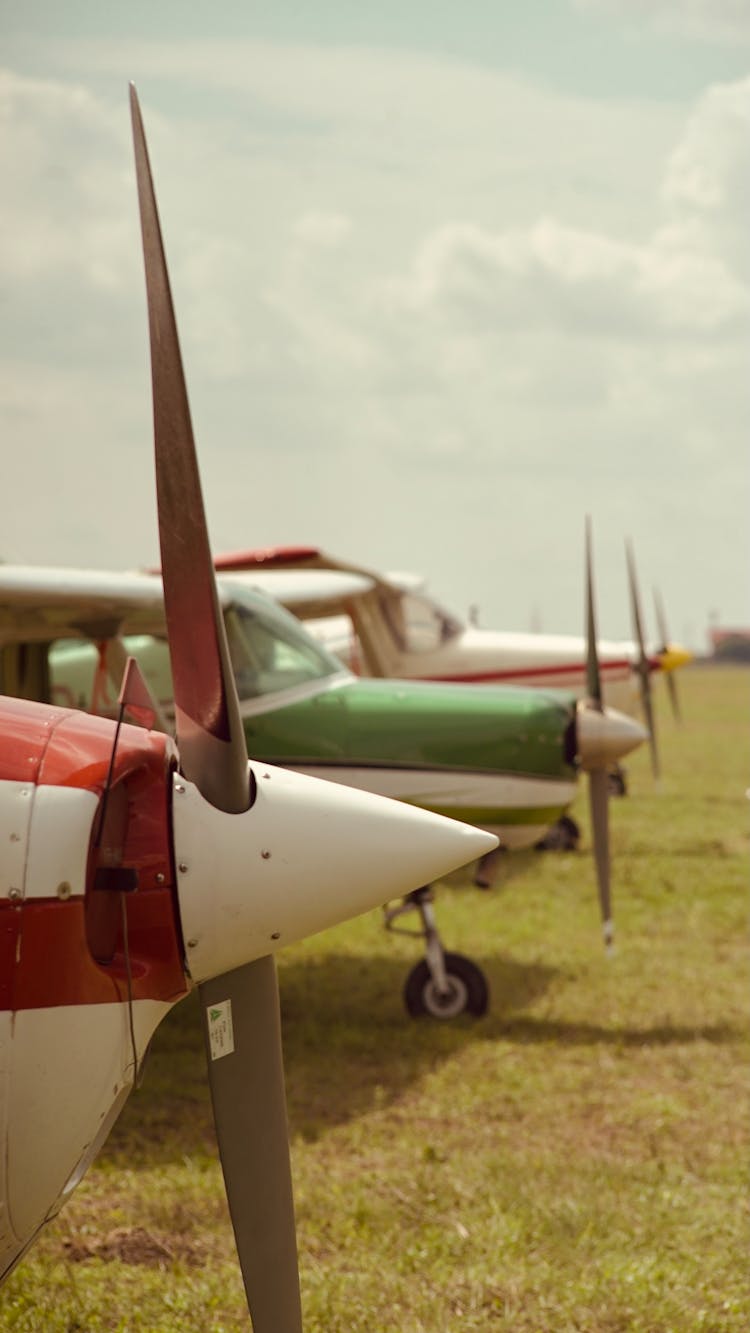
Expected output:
(500, 757)
(418, 725)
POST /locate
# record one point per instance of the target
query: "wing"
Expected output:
(307, 593)
(39, 604)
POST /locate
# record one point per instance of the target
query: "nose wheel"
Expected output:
(442, 985)
(465, 990)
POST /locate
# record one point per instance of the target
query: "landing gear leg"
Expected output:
(442, 985)
(564, 836)
(487, 867)
(617, 781)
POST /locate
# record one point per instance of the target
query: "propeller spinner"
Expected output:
(239, 840)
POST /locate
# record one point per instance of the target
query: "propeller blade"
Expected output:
(593, 675)
(598, 780)
(643, 670)
(213, 752)
(246, 1077)
(228, 932)
(247, 1086)
(661, 622)
(599, 807)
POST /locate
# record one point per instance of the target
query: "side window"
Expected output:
(270, 652)
(72, 668)
(417, 624)
(80, 679)
(24, 672)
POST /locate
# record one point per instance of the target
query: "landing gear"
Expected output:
(487, 867)
(442, 985)
(617, 783)
(465, 989)
(564, 836)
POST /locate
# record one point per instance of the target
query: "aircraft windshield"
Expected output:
(417, 624)
(271, 652)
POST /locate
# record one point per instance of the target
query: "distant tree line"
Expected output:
(731, 645)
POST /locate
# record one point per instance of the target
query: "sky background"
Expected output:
(447, 278)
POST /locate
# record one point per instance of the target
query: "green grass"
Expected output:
(574, 1161)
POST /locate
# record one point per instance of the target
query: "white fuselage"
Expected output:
(76, 1016)
(490, 657)
(66, 1068)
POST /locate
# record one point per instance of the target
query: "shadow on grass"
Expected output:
(702, 848)
(349, 1048)
(530, 1031)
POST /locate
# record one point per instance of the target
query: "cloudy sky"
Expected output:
(448, 277)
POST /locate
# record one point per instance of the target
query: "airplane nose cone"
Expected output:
(606, 737)
(674, 656)
(307, 855)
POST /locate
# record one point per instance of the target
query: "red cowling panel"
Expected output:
(49, 947)
(62, 747)
(25, 730)
(56, 966)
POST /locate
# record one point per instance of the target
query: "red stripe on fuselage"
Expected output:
(620, 670)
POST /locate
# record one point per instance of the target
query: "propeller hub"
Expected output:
(672, 656)
(606, 736)
(307, 855)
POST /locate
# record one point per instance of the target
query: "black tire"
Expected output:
(468, 990)
(617, 783)
(564, 836)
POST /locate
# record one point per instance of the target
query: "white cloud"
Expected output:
(478, 307)
(713, 20)
(61, 144)
(322, 229)
(707, 183)
(582, 283)
(688, 278)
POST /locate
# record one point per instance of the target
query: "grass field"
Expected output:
(577, 1160)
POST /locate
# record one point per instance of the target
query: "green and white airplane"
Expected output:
(388, 625)
(503, 758)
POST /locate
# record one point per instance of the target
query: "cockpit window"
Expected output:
(270, 652)
(417, 624)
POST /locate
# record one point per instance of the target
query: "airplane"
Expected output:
(135, 868)
(387, 625)
(505, 759)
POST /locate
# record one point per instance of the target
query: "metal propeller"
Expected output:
(247, 1086)
(598, 777)
(642, 666)
(661, 623)
(340, 851)
(211, 739)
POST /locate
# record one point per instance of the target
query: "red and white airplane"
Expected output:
(387, 625)
(134, 868)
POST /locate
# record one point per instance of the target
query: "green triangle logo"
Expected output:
(214, 1014)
